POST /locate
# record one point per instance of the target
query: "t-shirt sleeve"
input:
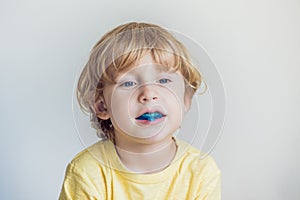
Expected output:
(212, 184)
(78, 185)
(213, 191)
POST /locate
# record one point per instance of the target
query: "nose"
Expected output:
(147, 94)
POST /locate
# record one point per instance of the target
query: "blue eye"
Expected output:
(128, 84)
(164, 80)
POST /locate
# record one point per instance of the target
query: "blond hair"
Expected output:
(118, 50)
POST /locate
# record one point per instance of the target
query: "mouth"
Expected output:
(150, 116)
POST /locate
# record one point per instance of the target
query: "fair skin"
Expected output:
(146, 106)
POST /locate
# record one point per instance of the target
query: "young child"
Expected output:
(137, 86)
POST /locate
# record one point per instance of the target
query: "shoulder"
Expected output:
(90, 158)
(200, 171)
(82, 177)
(196, 161)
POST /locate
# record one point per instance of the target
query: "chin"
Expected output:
(155, 139)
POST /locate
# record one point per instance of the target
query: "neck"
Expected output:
(148, 160)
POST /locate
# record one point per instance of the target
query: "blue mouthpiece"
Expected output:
(150, 116)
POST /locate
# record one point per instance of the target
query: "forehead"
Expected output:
(147, 60)
(145, 70)
(144, 67)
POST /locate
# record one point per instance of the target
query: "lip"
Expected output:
(147, 122)
(151, 111)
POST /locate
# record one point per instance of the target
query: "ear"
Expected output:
(187, 103)
(188, 95)
(101, 109)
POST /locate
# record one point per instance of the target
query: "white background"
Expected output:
(255, 45)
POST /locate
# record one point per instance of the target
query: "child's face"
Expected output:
(147, 102)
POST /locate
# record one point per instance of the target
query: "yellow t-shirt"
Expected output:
(98, 173)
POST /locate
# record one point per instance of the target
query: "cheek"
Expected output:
(118, 104)
(120, 108)
(175, 95)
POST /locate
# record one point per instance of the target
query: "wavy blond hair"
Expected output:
(117, 51)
